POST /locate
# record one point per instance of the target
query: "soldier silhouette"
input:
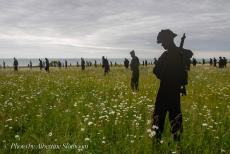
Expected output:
(126, 63)
(82, 64)
(105, 65)
(194, 61)
(203, 61)
(4, 64)
(171, 69)
(214, 62)
(220, 62)
(47, 65)
(95, 63)
(66, 64)
(225, 61)
(15, 64)
(210, 61)
(59, 63)
(31, 64)
(134, 66)
(40, 64)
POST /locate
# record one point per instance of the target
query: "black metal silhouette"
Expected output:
(172, 70)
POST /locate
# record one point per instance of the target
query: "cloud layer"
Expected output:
(89, 28)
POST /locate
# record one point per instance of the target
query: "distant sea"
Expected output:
(73, 61)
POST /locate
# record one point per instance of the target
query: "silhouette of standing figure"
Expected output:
(126, 63)
(134, 66)
(40, 64)
(214, 62)
(171, 70)
(4, 64)
(225, 61)
(95, 63)
(194, 62)
(210, 61)
(82, 64)
(31, 64)
(203, 61)
(221, 62)
(47, 65)
(66, 64)
(15, 64)
(105, 65)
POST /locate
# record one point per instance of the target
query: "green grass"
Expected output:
(70, 106)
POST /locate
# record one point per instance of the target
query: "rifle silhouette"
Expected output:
(182, 41)
(183, 89)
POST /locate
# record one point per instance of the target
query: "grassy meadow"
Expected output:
(75, 111)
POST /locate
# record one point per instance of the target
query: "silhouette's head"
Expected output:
(132, 53)
(166, 38)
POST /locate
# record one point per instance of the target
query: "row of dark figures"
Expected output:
(222, 63)
(45, 64)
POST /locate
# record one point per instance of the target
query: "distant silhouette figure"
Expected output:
(134, 66)
(95, 63)
(126, 63)
(221, 62)
(203, 61)
(171, 69)
(82, 64)
(59, 64)
(225, 61)
(15, 64)
(66, 64)
(4, 64)
(105, 65)
(210, 61)
(214, 62)
(194, 62)
(31, 64)
(40, 64)
(146, 63)
(47, 65)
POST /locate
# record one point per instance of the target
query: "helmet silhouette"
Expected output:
(165, 35)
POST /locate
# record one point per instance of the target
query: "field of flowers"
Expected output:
(69, 110)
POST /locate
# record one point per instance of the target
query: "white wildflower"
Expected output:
(17, 137)
(205, 124)
(90, 123)
(50, 134)
(82, 129)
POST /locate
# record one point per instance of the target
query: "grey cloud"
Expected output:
(110, 27)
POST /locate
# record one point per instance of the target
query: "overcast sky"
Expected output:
(92, 28)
